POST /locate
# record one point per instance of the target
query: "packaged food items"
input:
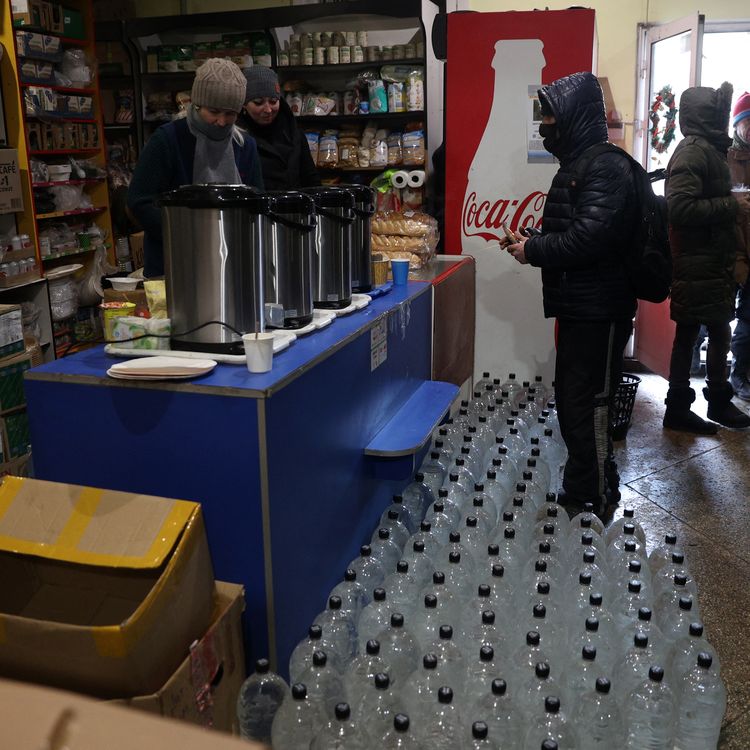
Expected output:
(333, 55)
(395, 154)
(409, 224)
(110, 312)
(351, 102)
(415, 91)
(143, 330)
(318, 105)
(345, 54)
(413, 148)
(313, 141)
(405, 234)
(294, 100)
(377, 96)
(396, 101)
(156, 297)
(328, 151)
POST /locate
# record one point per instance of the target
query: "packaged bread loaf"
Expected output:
(394, 222)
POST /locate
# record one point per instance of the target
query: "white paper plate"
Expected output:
(145, 378)
(164, 366)
(58, 273)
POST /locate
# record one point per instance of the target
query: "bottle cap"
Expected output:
(549, 745)
(491, 474)
(628, 529)
(629, 512)
(509, 533)
(442, 492)
(484, 590)
(686, 603)
(384, 533)
(479, 730)
(548, 529)
(398, 499)
(445, 632)
(544, 548)
(453, 477)
(350, 575)
(680, 579)
(678, 558)
(438, 577)
(334, 602)
(430, 661)
(588, 653)
(507, 517)
(670, 539)
(644, 614)
(454, 558)
(589, 556)
(587, 539)
(401, 723)
(319, 658)
(438, 507)
(705, 660)
(402, 567)
(498, 571)
(299, 691)
(419, 477)
(552, 511)
(499, 686)
(592, 624)
(464, 452)
(640, 640)
(365, 550)
(487, 653)
(379, 595)
(585, 522)
(540, 566)
(315, 632)
(527, 476)
(478, 487)
(696, 629)
(634, 566)
(548, 433)
(603, 685)
(520, 487)
(518, 500)
(539, 611)
(342, 711)
(434, 455)
(430, 601)
(584, 579)
(382, 681)
(541, 670)
(445, 695)
(595, 600)
(630, 546)
(373, 647)
(471, 522)
(656, 674)
(397, 620)
(634, 586)
(425, 526)
(454, 537)
(478, 502)
(488, 617)
(493, 550)
(542, 588)
(262, 666)
(532, 638)
(551, 704)
(393, 515)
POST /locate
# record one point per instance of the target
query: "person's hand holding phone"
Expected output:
(514, 244)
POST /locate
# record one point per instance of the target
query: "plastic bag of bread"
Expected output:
(410, 223)
(328, 150)
(413, 148)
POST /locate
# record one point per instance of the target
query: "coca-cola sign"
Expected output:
(484, 218)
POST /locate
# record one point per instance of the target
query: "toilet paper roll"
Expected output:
(400, 179)
(416, 178)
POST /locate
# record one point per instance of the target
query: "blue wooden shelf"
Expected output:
(412, 425)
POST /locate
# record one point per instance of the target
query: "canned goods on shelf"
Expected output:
(319, 55)
(333, 55)
(372, 54)
(345, 54)
(307, 56)
(358, 54)
(362, 38)
(386, 53)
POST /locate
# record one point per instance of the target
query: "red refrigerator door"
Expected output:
(497, 170)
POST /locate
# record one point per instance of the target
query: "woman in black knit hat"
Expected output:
(284, 153)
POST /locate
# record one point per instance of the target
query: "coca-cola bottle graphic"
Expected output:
(502, 185)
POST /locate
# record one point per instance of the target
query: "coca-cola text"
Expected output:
(480, 218)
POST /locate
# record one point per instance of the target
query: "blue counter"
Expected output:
(278, 461)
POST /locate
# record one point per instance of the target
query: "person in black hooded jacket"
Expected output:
(285, 156)
(587, 225)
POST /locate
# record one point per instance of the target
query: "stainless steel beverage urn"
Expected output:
(289, 260)
(213, 263)
(364, 208)
(332, 280)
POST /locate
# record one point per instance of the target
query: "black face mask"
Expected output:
(550, 136)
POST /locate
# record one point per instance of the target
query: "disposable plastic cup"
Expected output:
(258, 351)
(400, 271)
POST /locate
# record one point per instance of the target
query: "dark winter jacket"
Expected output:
(738, 160)
(166, 163)
(586, 226)
(702, 210)
(284, 153)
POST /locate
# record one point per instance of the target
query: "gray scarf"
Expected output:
(213, 161)
(738, 143)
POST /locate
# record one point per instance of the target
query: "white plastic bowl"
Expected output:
(123, 283)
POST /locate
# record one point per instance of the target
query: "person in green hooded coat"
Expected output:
(702, 210)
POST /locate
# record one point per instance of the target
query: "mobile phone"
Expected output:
(512, 237)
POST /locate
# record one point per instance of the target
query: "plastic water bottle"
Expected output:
(486, 380)
(498, 710)
(399, 532)
(449, 444)
(294, 723)
(580, 676)
(529, 654)
(646, 625)
(553, 725)
(375, 713)
(587, 541)
(455, 489)
(588, 565)
(510, 553)
(479, 676)
(482, 500)
(597, 609)
(579, 598)
(544, 596)
(550, 632)
(405, 516)
(361, 671)
(675, 623)
(617, 545)
(420, 690)
(448, 605)
(474, 539)
(434, 470)
(339, 629)
(421, 566)
(625, 607)
(459, 575)
(451, 662)
(385, 550)
(686, 650)
(441, 727)
(400, 736)
(618, 527)
(432, 545)
(701, 701)
(375, 618)
(600, 719)
(554, 450)
(665, 575)
(499, 487)
(586, 520)
(480, 739)
(340, 733)
(370, 573)
(426, 622)
(401, 588)
(303, 652)
(502, 592)
(420, 486)
(633, 668)
(512, 387)
(352, 594)
(259, 699)
(325, 687)
(621, 578)
(399, 650)
(536, 492)
(541, 474)
(483, 632)
(534, 689)
(481, 601)
(554, 514)
(650, 714)
(440, 523)
(681, 586)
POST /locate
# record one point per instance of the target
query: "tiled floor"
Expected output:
(699, 487)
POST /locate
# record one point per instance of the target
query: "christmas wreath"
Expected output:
(661, 138)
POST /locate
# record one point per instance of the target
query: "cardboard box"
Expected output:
(33, 717)
(103, 592)
(12, 369)
(11, 197)
(137, 297)
(205, 687)
(16, 434)
(11, 333)
(18, 467)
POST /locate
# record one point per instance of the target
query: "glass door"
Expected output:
(670, 56)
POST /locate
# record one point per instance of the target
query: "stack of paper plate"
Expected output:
(161, 368)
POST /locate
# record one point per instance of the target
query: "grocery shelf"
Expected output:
(60, 116)
(62, 89)
(333, 68)
(76, 212)
(88, 181)
(119, 125)
(65, 152)
(417, 114)
(46, 32)
(66, 253)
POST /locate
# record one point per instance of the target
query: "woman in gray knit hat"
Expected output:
(284, 153)
(205, 146)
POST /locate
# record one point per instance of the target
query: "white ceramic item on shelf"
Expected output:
(123, 283)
